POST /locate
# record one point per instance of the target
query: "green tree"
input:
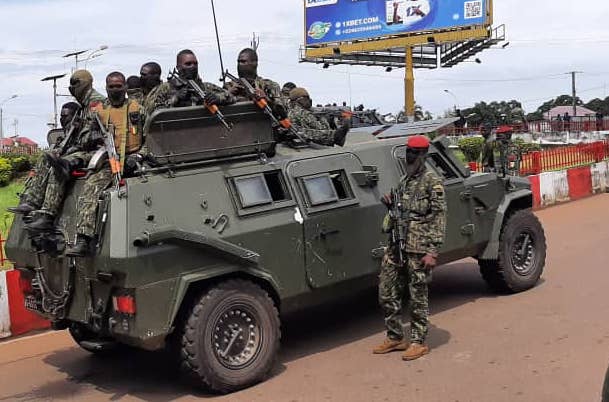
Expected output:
(495, 113)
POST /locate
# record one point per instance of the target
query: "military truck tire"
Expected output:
(522, 255)
(231, 337)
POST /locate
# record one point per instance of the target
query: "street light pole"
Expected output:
(1, 117)
(455, 98)
(75, 55)
(95, 54)
(54, 78)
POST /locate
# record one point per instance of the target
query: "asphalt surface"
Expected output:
(548, 344)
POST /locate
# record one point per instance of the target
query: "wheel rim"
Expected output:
(237, 336)
(523, 253)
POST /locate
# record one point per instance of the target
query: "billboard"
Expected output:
(346, 20)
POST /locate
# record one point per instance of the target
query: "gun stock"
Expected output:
(110, 146)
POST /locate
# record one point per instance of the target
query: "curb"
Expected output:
(14, 318)
(569, 185)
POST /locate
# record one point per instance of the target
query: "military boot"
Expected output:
(390, 345)
(80, 248)
(43, 223)
(23, 208)
(414, 351)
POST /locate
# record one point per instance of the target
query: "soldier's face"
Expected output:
(148, 78)
(117, 90)
(65, 117)
(247, 65)
(188, 66)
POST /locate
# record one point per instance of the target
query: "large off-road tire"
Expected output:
(231, 337)
(522, 255)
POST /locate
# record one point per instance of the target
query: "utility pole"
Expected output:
(1, 117)
(574, 93)
(75, 55)
(54, 78)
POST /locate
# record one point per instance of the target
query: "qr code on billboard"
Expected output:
(473, 9)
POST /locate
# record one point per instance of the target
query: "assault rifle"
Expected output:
(68, 140)
(264, 105)
(398, 230)
(110, 147)
(195, 88)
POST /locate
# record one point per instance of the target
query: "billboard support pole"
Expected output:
(409, 85)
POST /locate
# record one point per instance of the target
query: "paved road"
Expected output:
(548, 344)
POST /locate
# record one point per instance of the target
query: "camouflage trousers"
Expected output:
(36, 185)
(56, 186)
(404, 286)
(322, 137)
(86, 217)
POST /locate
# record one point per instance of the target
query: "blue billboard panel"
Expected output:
(346, 20)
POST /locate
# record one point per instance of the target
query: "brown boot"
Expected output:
(389, 345)
(414, 351)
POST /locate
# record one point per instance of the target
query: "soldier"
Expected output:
(422, 216)
(285, 90)
(174, 93)
(123, 115)
(150, 79)
(313, 129)
(35, 187)
(48, 194)
(487, 156)
(247, 67)
(134, 89)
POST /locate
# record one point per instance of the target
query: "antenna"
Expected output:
(213, 10)
(255, 42)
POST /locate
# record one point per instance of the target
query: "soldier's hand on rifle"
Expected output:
(429, 261)
(235, 89)
(260, 94)
(211, 99)
(386, 199)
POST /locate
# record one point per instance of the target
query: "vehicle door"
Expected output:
(460, 229)
(340, 218)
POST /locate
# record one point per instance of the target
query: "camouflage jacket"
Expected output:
(423, 213)
(309, 126)
(270, 88)
(136, 94)
(167, 95)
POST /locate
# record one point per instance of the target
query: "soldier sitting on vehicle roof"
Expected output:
(309, 126)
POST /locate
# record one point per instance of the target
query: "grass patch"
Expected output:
(8, 198)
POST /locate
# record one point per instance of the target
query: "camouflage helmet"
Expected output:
(298, 93)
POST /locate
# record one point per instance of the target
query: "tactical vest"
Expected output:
(126, 122)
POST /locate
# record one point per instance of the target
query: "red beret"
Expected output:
(504, 129)
(417, 141)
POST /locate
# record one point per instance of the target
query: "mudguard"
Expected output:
(492, 248)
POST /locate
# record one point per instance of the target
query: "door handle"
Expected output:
(466, 195)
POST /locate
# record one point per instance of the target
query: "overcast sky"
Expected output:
(547, 39)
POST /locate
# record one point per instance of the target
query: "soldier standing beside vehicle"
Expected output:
(418, 214)
(174, 93)
(124, 116)
(487, 156)
(312, 128)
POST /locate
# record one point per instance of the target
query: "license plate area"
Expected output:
(32, 303)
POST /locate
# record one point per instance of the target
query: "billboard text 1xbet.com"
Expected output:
(346, 20)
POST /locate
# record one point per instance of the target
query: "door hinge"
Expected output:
(467, 230)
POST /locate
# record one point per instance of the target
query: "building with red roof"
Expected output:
(18, 145)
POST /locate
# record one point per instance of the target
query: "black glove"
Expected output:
(280, 112)
(132, 164)
(387, 201)
(211, 99)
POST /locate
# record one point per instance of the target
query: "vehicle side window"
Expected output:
(327, 188)
(441, 166)
(260, 192)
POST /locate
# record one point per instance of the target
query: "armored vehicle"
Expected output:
(229, 231)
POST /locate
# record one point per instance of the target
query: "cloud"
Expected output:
(548, 38)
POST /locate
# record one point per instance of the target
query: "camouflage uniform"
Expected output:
(127, 139)
(270, 88)
(487, 156)
(136, 94)
(425, 216)
(46, 190)
(164, 96)
(309, 126)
